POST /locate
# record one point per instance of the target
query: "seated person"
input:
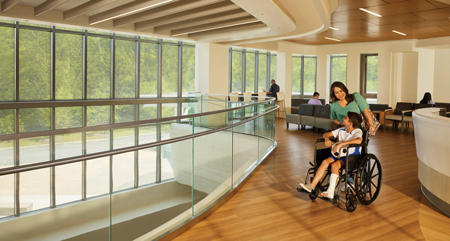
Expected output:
(315, 100)
(348, 135)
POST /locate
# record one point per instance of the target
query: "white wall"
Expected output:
(441, 87)
(211, 68)
(409, 77)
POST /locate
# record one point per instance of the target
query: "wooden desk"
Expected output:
(380, 117)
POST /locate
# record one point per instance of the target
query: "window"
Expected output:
(86, 65)
(338, 68)
(251, 70)
(304, 70)
(369, 75)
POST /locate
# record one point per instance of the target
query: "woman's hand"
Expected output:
(371, 128)
(328, 143)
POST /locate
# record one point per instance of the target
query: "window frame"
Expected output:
(302, 76)
(363, 77)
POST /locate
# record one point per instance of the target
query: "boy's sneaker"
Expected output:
(308, 187)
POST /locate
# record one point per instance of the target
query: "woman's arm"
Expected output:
(337, 122)
(368, 117)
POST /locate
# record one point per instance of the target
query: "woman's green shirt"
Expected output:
(339, 112)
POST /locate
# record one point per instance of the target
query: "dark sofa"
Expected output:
(317, 116)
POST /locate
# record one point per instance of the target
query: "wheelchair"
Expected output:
(361, 176)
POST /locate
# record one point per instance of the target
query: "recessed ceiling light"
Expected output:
(333, 39)
(404, 34)
(334, 28)
(367, 11)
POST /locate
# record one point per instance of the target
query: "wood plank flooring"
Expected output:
(268, 207)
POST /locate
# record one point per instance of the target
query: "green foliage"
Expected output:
(98, 68)
(309, 75)
(69, 66)
(149, 69)
(250, 72)
(188, 71)
(169, 70)
(296, 75)
(262, 72)
(339, 69)
(236, 72)
(7, 64)
(372, 74)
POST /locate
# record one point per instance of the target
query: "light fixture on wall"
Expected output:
(367, 11)
(334, 28)
(397, 32)
(333, 39)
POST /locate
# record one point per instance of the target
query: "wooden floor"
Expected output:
(268, 207)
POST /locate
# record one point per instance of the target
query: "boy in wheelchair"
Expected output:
(346, 136)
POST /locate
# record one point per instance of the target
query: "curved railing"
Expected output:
(133, 179)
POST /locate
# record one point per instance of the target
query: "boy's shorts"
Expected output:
(344, 159)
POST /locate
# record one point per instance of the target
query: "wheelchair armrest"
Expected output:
(357, 145)
(320, 140)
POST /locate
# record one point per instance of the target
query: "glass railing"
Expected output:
(135, 177)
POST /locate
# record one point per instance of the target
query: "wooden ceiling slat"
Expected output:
(399, 18)
(402, 7)
(352, 24)
(439, 4)
(446, 28)
(434, 14)
(429, 23)
(441, 34)
(345, 5)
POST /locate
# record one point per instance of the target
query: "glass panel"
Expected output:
(97, 177)
(149, 38)
(34, 68)
(188, 70)
(264, 127)
(6, 21)
(6, 154)
(187, 43)
(70, 29)
(147, 134)
(339, 69)
(273, 67)
(123, 137)
(34, 119)
(148, 111)
(169, 110)
(169, 80)
(34, 150)
(250, 72)
(309, 84)
(123, 171)
(170, 41)
(212, 168)
(35, 24)
(296, 75)
(262, 72)
(7, 63)
(245, 151)
(98, 115)
(97, 141)
(98, 32)
(124, 113)
(125, 35)
(98, 68)
(176, 161)
(68, 183)
(34, 190)
(68, 145)
(68, 117)
(6, 122)
(69, 66)
(236, 72)
(149, 70)
(147, 165)
(6, 196)
(372, 74)
(125, 69)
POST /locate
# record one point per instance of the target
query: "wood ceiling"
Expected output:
(418, 19)
(185, 18)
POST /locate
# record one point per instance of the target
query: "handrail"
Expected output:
(96, 102)
(40, 165)
(118, 125)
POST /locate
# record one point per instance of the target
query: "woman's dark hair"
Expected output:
(354, 118)
(348, 97)
(426, 98)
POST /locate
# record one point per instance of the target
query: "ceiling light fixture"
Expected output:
(226, 26)
(404, 34)
(264, 14)
(334, 28)
(130, 12)
(367, 11)
(333, 39)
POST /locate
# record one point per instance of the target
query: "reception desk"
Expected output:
(432, 133)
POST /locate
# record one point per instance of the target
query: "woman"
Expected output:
(342, 102)
(427, 99)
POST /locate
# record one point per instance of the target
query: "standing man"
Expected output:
(274, 88)
(315, 100)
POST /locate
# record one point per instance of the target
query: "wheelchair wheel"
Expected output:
(314, 194)
(351, 202)
(368, 179)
